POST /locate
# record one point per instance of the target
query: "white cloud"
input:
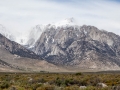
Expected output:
(21, 15)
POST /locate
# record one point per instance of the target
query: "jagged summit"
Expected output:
(36, 32)
(67, 21)
(30, 37)
(83, 47)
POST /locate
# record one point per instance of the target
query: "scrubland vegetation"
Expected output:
(59, 81)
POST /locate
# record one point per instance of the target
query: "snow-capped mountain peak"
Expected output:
(30, 37)
(67, 21)
(35, 33)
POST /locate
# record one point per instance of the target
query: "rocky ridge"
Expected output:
(16, 58)
(79, 46)
(69, 45)
(16, 48)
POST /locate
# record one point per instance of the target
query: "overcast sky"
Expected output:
(22, 15)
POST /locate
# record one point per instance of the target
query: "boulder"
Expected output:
(103, 85)
(83, 87)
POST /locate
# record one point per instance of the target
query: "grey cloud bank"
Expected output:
(22, 15)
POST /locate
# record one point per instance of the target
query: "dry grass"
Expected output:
(55, 81)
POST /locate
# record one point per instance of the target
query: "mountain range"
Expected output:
(63, 46)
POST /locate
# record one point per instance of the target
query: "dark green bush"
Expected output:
(4, 85)
(79, 73)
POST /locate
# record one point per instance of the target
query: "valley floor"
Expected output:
(60, 81)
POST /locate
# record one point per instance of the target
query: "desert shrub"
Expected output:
(46, 87)
(83, 83)
(13, 88)
(35, 86)
(59, 81)
(94, 81)
(42, 80)
(69, 82)
(79, 73)
(4, 85)
(91, 88)
(72, 88)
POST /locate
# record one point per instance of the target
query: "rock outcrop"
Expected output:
(82, 47)
(16, 48)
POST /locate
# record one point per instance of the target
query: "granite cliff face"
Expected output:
(82, 47)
